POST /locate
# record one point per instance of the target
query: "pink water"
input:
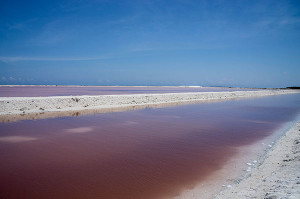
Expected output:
(36, 91)
(149, 153)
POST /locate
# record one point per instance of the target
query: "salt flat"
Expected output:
(22, 105)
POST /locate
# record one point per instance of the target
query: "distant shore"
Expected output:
(24, 105)
(182, 86)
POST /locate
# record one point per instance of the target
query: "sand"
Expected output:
(25, 105)
(268, 169)
(75, 113)
(276, 176)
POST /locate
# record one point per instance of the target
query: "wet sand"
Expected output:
(277, 175)
(249, 175)
(149, 153)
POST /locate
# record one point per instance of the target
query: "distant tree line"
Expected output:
(293, 87)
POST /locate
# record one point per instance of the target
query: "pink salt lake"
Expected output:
(149, 153)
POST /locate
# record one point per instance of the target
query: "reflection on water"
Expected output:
(149, 153)
(45, 115)
(36, 91)
(16, 139)
(79, 130)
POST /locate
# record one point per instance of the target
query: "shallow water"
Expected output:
(43, 91)
(149, 153)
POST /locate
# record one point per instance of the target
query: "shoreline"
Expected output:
(268, 169)
(276, 175)
(24, 105)
(75, 113)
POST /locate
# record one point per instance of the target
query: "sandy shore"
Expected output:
(273, 173)
(22, 105)
(276, 176)
(75, 113)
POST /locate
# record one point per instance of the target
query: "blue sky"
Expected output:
(177, 42)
